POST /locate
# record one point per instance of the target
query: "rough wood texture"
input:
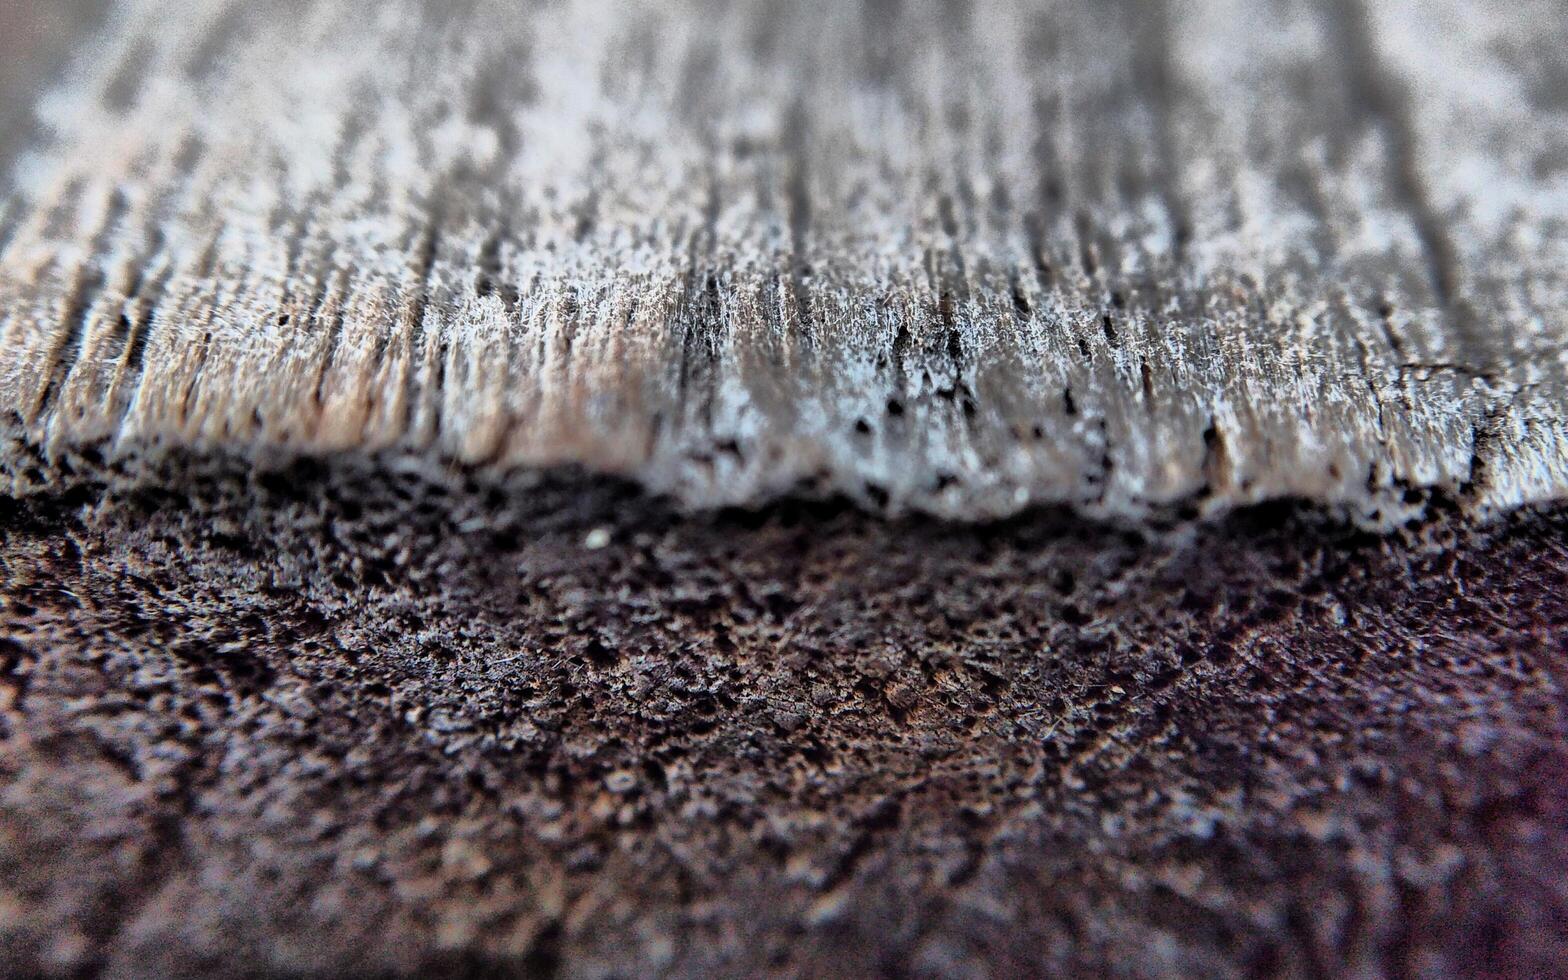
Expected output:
(351, 719)
(961, 257)
(370, 713)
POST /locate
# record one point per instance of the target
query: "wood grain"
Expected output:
(962, 258)
(314, 662)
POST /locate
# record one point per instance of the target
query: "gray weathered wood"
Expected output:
(956, 257)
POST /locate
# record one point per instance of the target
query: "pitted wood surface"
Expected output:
(357, 721)
(959, 257)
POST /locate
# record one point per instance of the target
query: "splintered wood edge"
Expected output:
(738, 259)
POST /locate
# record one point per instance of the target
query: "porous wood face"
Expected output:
(357, 721)
(963, 257)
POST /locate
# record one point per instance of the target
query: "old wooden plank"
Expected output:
(953, 257)
(372, 713)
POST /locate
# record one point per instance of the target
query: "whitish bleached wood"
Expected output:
(956, 257)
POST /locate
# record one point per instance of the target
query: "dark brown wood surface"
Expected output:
(356, 720)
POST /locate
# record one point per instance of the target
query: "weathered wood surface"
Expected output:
(378, 715)
(961, 257)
